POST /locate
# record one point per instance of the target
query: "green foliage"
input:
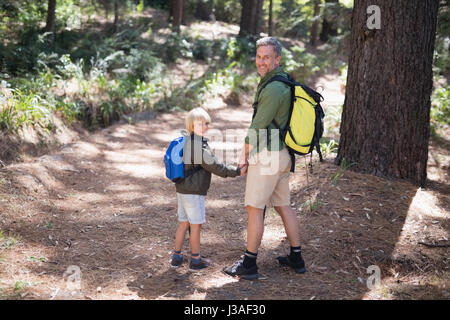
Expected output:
(241, 49)
(440, 105)
(228, 10)
(312, 205)
(7, 242)
(140, 6)
(203, 50)
(160, 4)
(332, 120)
(302, 65)
(23, 107)
(295, 19)
(211, 84)
(328, 147)
(176, 46)
(442, 56)
(96, 76)
(344, 166)
(442, 45)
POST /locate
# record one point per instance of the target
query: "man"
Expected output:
(268, 184)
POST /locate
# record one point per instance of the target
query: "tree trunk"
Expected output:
(251, 17)
(183, 14)
(116, 16)
(270, 29)
(245, 17)
(385, 124)
(176, 13)
(204, 10)
(315, 25)
(329, 16)
(259, 17)
(51, 17)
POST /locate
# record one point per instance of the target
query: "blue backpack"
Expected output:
(173, 160)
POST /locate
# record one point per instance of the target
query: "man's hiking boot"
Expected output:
(195, 267)
(298, 266)
(177, 260)
(238, 270)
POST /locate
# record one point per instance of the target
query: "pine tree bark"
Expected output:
(116, 15)
(270, 29)
(385, 124)
(251, 17)
(315, 25)
(328, 24)
(205, 11)
(176, 13)
(258, 18)
(51, 18)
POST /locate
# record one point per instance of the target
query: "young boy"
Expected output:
(199, 163)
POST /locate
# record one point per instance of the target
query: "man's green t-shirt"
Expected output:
(273, 104)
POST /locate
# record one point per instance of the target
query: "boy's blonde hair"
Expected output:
(197, 114)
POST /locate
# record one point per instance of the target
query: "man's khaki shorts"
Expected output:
(268, 179)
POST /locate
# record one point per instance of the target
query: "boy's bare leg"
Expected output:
(290, 224)
(180, 234)
(255, 228)
(194, 238)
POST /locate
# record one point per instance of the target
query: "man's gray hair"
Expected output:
(270, 41)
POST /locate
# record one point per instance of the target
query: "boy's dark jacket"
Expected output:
(197, 154)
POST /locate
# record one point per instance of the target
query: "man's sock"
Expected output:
(296, 254)
(195, 258)
(177, 253)
(249, 259)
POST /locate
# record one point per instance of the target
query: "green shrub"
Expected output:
(203, 50)
(21, 108)
(242, 50)
(300, 64)
(440, 105)
(176, 46)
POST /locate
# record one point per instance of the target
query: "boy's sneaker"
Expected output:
(238, 270)
(177, 260)
(298, 266)
(195, 267)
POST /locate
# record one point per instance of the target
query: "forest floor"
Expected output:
(102, 204)
(96, 219)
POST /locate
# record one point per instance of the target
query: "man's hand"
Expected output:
(243, 161)
(244, 168)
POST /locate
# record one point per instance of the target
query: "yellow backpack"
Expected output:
(305, 124)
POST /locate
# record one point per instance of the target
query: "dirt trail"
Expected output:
(103, 205)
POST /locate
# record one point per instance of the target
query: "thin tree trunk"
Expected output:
(270, 31)
(258, 18)
(251, 17)
(328, 24)
(315, 25)
(51, 17)
(183, 13)
(177, 14)
(385, 124)
(116, 16)
(245, 17)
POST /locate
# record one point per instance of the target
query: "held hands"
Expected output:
(243, 161)
(244, 167)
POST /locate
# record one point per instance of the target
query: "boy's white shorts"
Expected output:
(191, 207)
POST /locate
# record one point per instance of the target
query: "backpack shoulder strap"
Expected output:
(289, 81)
